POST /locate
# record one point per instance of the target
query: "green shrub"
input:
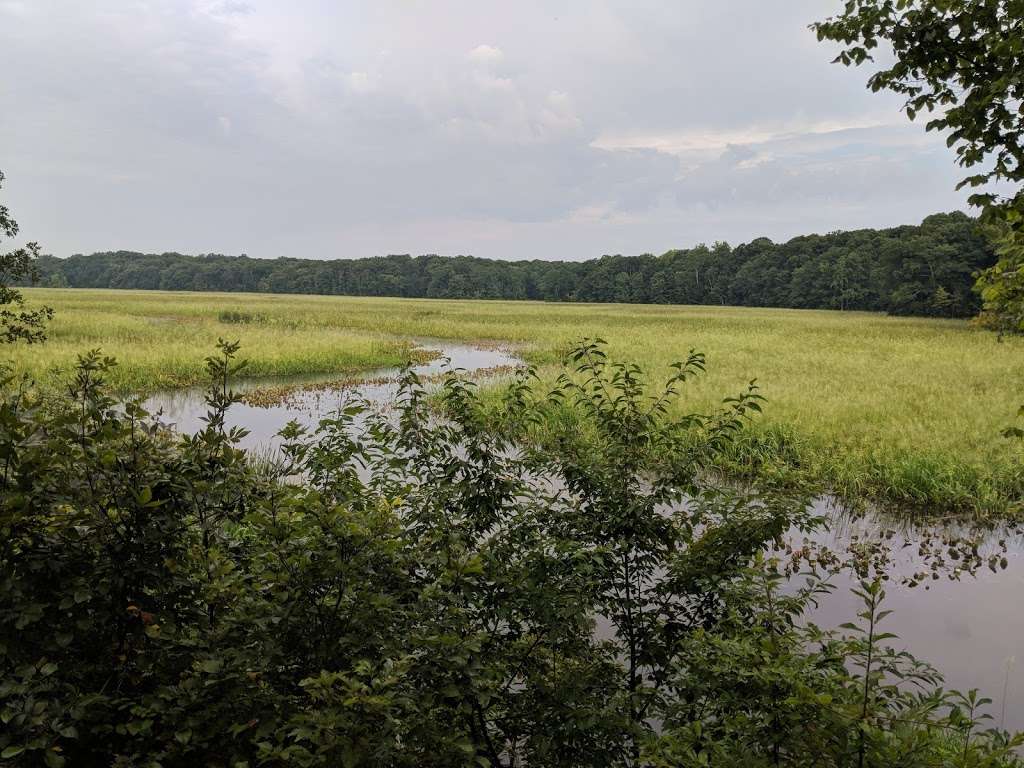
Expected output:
(237, 316)
(425, 591)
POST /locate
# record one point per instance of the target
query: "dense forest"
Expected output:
(909, 270)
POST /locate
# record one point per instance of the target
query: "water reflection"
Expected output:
(970, 628)
(183, 409)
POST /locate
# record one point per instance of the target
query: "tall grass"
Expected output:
(161, 339)
(906, 410)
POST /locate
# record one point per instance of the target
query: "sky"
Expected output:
(559, 129)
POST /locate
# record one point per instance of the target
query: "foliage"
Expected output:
(1002, 285)
(750, 694)
(17, 267)
(237, 316)
(899, 271)
(962, 61)
(422, 591)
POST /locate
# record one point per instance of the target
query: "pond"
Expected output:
(970, 628)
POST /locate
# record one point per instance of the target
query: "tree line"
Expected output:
(928, 269)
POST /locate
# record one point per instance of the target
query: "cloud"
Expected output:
(486, 54)
(575, 129)
(13, 8)
(361, 82)
(229, 8)
(710, 142)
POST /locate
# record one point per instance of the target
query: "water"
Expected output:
(971, 629)
(183, 409)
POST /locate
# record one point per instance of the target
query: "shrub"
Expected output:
(427, 591)
(237, 316)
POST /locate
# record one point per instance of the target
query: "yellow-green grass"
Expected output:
(905, 410)
(160, 340)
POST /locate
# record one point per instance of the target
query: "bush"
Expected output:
(237, 316)
(427, 591)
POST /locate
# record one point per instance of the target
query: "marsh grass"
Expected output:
(905, 410)
(161, 339)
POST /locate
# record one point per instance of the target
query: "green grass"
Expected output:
(904, 410)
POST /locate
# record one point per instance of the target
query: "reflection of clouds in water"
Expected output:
(967, 628)
(955, 626)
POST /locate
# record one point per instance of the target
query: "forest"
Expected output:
(928, 269)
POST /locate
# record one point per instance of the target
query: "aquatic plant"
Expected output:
(861, 403)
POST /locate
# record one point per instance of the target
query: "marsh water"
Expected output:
(971, 628)
(313, 398)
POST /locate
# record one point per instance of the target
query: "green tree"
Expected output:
(18, 266)
(1002, 285)
(943, 300)
(963, 62)
(903, 263)
(426, 588)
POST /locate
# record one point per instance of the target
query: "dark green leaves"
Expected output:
(443, 585)
(18, 267)
(964, 59)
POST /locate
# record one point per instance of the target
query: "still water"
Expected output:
(971, 628)
(185, 408)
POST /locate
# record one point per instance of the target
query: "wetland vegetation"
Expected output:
(412, 590)
(903, 410)
(557, 570)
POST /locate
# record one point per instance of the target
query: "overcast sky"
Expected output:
(554, 129)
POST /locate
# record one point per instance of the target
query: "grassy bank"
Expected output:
(908, 410)
(161, 339)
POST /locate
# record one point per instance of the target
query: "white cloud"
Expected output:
(227, 8)
(595, 127)
(558, 115)
(708, 141)
(14, 8)
(487, 54)
(361, 82)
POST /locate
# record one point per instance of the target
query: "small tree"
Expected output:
(943, 301)
(18, 266)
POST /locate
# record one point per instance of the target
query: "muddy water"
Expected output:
(970, 629)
